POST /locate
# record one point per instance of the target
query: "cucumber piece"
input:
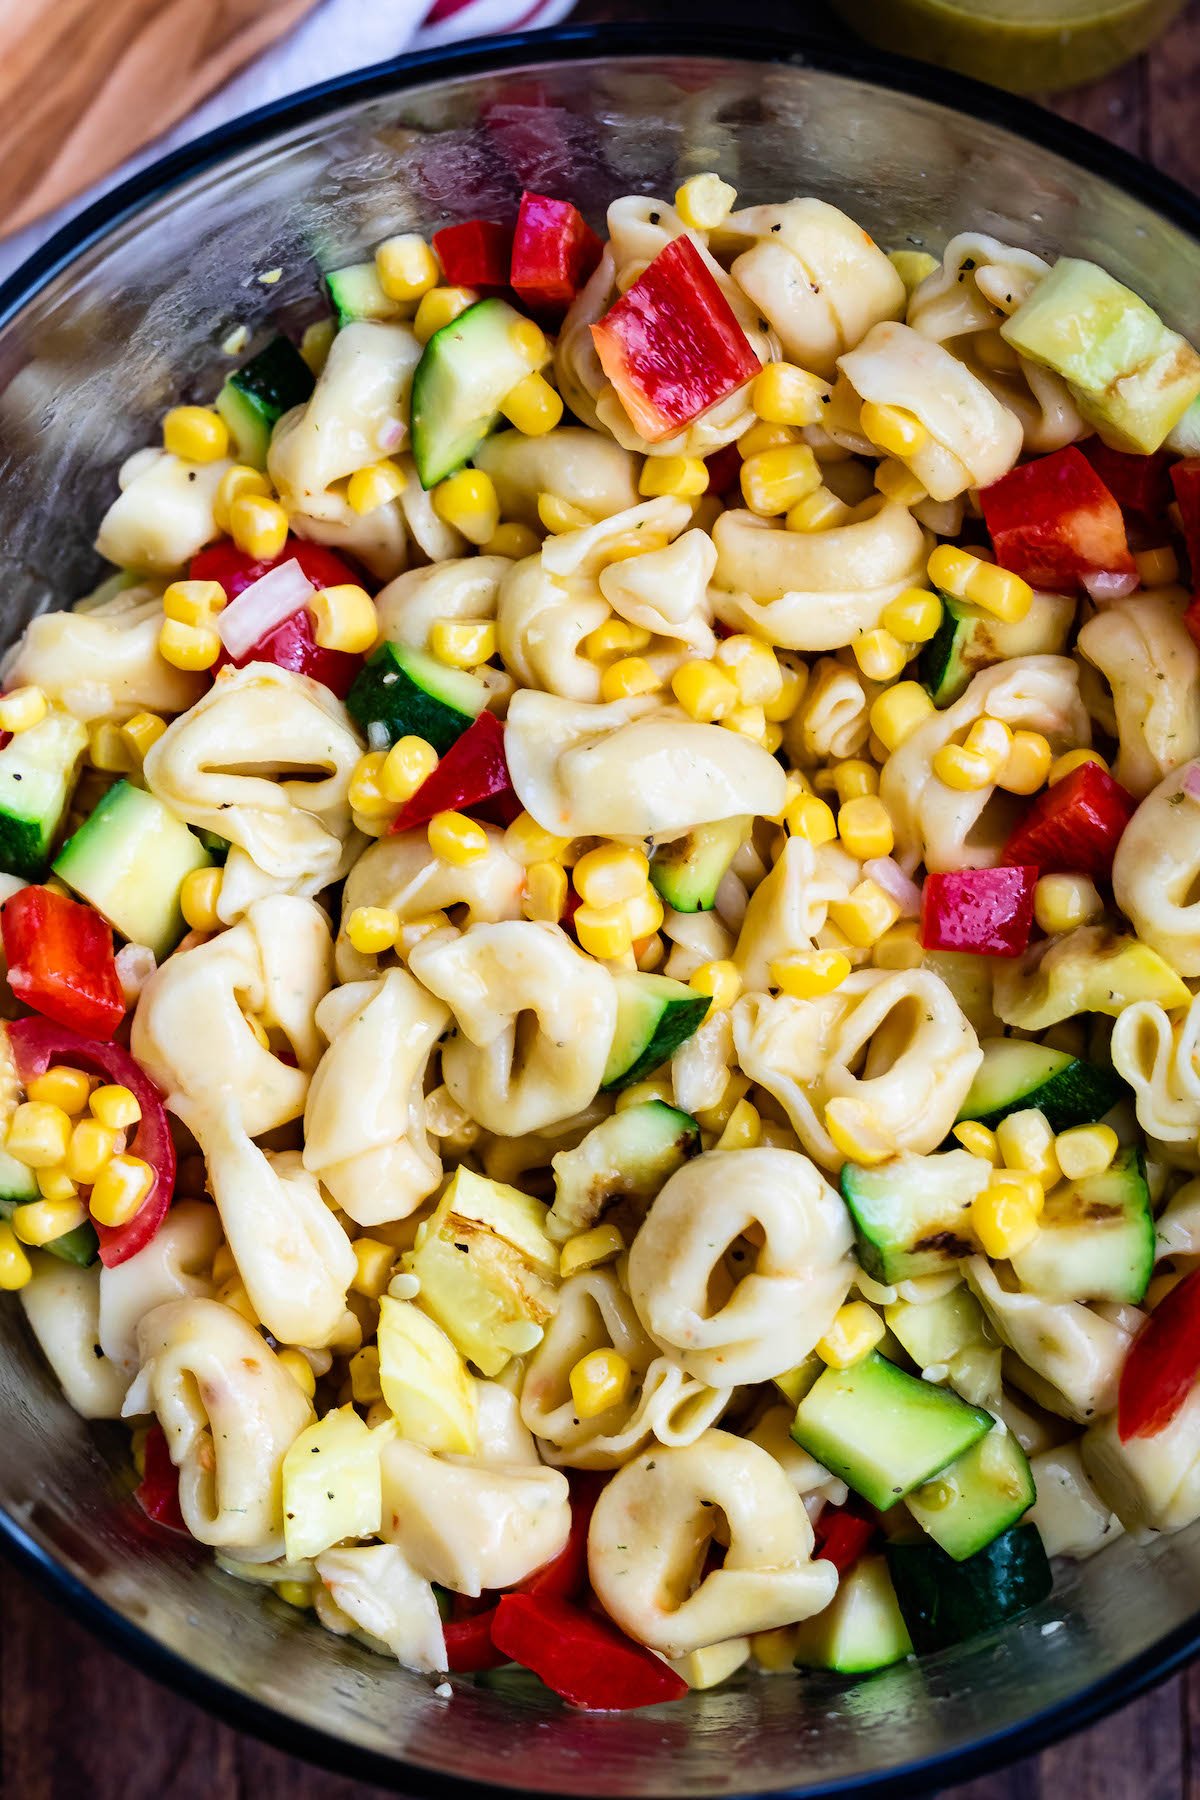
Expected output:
(37, 774)
(465, 372)
(1096, 1240)
(911, 1215)
(688, 872)
(884, 1432)
(969, 640)
(356, 293)
(218, 847)
(654, 1016)
(129, 860)
(977, 1497)
(629, 1155)
(415, 696)
(18, 1187)
(260, 392)
(946, 1602)
(1015, 1074)
(861, 1629)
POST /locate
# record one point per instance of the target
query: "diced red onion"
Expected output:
(892, 879)
(135, 965)
(262, 606)
(1105, 586)
(1191, 781)
(390, 435)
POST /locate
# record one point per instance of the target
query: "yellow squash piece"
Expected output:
(1090, 969)
(425, 1380)
(332, 1488)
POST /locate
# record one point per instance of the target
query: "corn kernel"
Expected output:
(900, 947)
(808, 974)
(865, 914)
(897, 713)
(962, 769)
(784, 394)
(654, 1087)
(898, 483)
(545, 896)
(616, 637)
(704, 691)
(644, 914)
(457, 840)
(991, 739)
(38, 1134)
(188, 646)
(1060, 902)
(142, 732)
(649, 952)
(747, 721)
(681, 477)
(195, 434)
(374, 1260)
(193, 602)
(715, 1118)
(1004, 1220)
(107, 749)
(258, 526)
(1158, 567)
(115, 1106)
(469, 503)
(1026, 1145)
(743, 1130)
(512, 540)
(560, 515)
(365, 792)
(526, 842)
(533, 406)
(405, 768)
(628, 678)
(463, 643)
(55, 1184)
(1027, 763)
(765, 436)
(893, 428)
(599, 1380)
(912, 266)
(301, 1372)
(852, 779)
(865, 828)
(16, 1270)
(819, 511)
(857, 1328)
(603, 931)
(792, 683)
(374, 486)
(61, 1087)
(610, 874)
(1085, 1150)
(809, 817)
(529, 341)
(239, 480)
(913, 616)
(372, 929)
(967, 577)
(753, 667)
(21, 708)
(41, 1221)
(1067, 764)
(406, 266)
(199, 897)
(364, 1375)
(589, 1249)
(720, 980)
(88, 1150)
(879, 655)
(704, 202)
(775, 1651)
(119, 1190)
(440, 306)
(979, 1139)
(774, 480)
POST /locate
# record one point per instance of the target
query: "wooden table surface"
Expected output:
(75, 1720)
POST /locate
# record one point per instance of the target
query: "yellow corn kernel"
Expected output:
(765, 436)
(599, 1380)
(809, 817)
(142, 732)
(199, 896)
(784, 394)
(240, 480)
(775, 1651)
(1158, 567)
(16, 1270)
(188, 646)
(897, 713)
(912, 266)
(704, 691)
(195, 434)
(512, 540)
(616, 637)
(1060, 902)
(644, 914)
(457, 840)
(589, 1249)
(405, 768)
(747, 721)
(856, 1330)
(1026, 1145)
(704, 201)
(715, 1118)
(344, 618)
(374, 486)
(893, 428)
(603, 931)
(193, 602)
(898, 483)
(533, 406)
(115, 1106)
(743, 1130)
(89, 1148)
(372, 929)
(529, 341)
(560, 515)
(301, 1372)
(774, 480)
(463, 643)
(879, 655)
(41, 1221)
(1027, 763)
(1022, 1183)
(469, 503)
(962, 769)
(654, 1087)
(365, 792)
(107, 749)
(865, 827)
(440, 306)
(406, 266)
(991, 739)
(792, 683)
(610, 874)
(364, 1375)
(807, 974)
(38, 1134)
(626, 679)
(374, 1260)
(526, 842)
(413, 930)
(258, 526)
(545, 896)
(720, 980)
(854, 779)
(1085, 1150)
(66, 1089)
(967, 577)
(1004, 1220)
(913, 616)
(55, 1184)
(21, 708)
(819, 511)
(979, 1139)
(649, 952)
(1072, 760)
(681, 477)
(900, 947)
(753, 666)
(865, 914)
(119, 1190)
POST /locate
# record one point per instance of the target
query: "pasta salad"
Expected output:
(600, 1055)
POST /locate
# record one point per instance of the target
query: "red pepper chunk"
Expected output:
(291, 645)
(1162, 1363)
(475, 255)
(554, 251)
(582, 1657)
(1053, 522)
(60, 961)
(988, 912)
(842, 1536)
(1140, 485)
(1074, 827)
(472, 770)
(671, 345)
(1185, 479)
(157, 1493)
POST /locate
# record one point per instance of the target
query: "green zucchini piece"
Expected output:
(969, 639)
(1016, 1074)
(861, 1629)
(356, 293)
(977, 1497)
(37, 775)
(129, 860)
(466, 370)
(688, 872)
(414, 695)
(1096, 1239)
(259, 394)
(946, 1602)
(627, 1156)
(654, 1016)
(912, 1215)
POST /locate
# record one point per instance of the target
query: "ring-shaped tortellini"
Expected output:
(163, 514)
(1150, 661)
(946, 829)
(588, 549)
(832, 720)
(653, 1524)
(1150, 1482)
(192, 1030)
(356, 413)
(463, 588)
(377, 539)
(633, 769)
(61, 1302)
(666, 591)
(364, 1124)
(888, 1055)
(175, 1265)
(814, 590)
(579, 466)
(103, 663)
(230, 1411)
(664, 1403)
(265, 760)
(535, 1021)
(729, 1330)
(972, 438)
(1157, 868)
(1068, 1357)
(375, 1588)
(790, 906)
(541, 623)
(1159, 1057)
(402, 873)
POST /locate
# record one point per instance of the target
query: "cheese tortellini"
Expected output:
(1156, 869)
(103, 662)
(1152, 666)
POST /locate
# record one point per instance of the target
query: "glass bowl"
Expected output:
(122, 313)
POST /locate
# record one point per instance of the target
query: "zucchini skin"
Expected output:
(945, 1602)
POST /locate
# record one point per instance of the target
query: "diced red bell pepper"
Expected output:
(1140, 485)
(472, 770)
(842, 1536)
(671, 345)
(291, 645)
(724, 467)
(60, 961)
(35, 1044)
(554, 250)
(476, 255)
(1162, 1363)
(988, 912)
(1185, 479)
(582, 1657)
(1053, 522)
(157, 1493)
(1074, 827)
